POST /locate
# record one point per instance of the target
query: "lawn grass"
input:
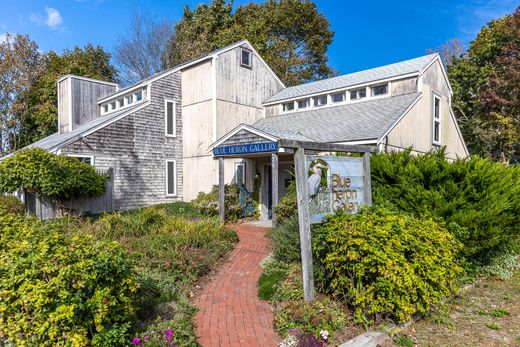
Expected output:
(487, 314)
(173, 246)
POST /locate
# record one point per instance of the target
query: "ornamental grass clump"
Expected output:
(386, 264)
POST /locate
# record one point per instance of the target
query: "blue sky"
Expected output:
(367, 33)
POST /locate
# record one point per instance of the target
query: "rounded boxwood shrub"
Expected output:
(386, 264)
(62, 289)
(11, 204)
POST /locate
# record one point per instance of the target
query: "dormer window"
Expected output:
(129, 99)
(288, 106)
(125, 100)
(112, 105)
(358, 94)
(304, 103)
(138, 95)
(120, 102)
(105, 108)
(380, 90)
(338, 97)
(245, 58)
(320, 100)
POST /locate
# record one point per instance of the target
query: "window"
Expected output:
(245, 58)
(240, 173)
(169, 117)
(436, 120)
(87, 159)
(380, 90)
(289, 106)
(128, 99)
(138, 95)
(112, 105)
(105, 108)
(304, 103)
(171, 178)
(338, 97)
(320, 100)
(120, 103)
(358, 94)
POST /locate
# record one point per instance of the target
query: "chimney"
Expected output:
(77, 100)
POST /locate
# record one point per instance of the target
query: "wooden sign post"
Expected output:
(302, 192)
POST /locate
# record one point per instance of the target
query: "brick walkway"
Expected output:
(230, 312)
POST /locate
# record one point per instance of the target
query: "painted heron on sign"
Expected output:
(315, 179)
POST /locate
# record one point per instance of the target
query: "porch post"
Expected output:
(367, 179)
(274, 188)
(221, 190)
(302, 192)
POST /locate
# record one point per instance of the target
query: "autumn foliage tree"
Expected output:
(486, 84)
(291, 35)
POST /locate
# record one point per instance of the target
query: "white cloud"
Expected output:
(54, 18)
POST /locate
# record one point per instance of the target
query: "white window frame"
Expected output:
(91, 157)
(338, 93)
(317, 97)
(243, 164)
(166, 101)
(372, 93)
(436, 96)
(174, 194)
(250, 65)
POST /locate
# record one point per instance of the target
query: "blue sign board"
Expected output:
(246, 148)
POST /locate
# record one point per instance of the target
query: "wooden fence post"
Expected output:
(274, 186)
(221, 190)
(302, 190)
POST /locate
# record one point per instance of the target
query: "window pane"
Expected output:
(170, 118)
(303, 103)
(338, 97)
(358, 94)
(129, 99)
(139, 95)
(380, 90)
(112, 105)
(436, 130)
(288, 106)
(353, 95)
(320, 100)
(86, 160)
(436, 108)
(246, 58)
(120, 103)
(362, 93)
(170, 178)
(240, 174)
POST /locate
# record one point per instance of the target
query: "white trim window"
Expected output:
(358, 94)
(320, 100)
(436, 118)
(169, 118)
(171, 178)
(337, 97)
(381, 89)
(288, 106)
(87, 159)
(240, 173)
(246, 57)
(304, 103)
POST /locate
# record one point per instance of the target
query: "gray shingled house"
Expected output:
(159, 135)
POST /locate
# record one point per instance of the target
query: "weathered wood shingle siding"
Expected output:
(137, 149)
(85, 95)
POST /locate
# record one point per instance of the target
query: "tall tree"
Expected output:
(139, 53)
(90, 61)
(486, 81)
(291, 35)
(449, 51)
(20, 64)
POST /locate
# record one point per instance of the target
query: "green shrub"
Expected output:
(180, 209)
(479, 197)
(274, 273)
(53, 176)
(287, 207)
(285, 240)
(291, 312)
(207, 203)
(11, 204)
(385, 263)
(63, 289)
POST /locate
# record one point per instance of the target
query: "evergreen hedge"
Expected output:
(479, 200)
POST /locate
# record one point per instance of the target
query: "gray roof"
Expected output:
(57, 140)
(365, 76)
(365, 120)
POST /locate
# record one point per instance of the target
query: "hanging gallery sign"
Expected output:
(335, 183)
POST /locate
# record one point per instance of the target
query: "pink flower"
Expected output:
(168, 338)
(136, 341)
(147, 337)
(168, 332)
